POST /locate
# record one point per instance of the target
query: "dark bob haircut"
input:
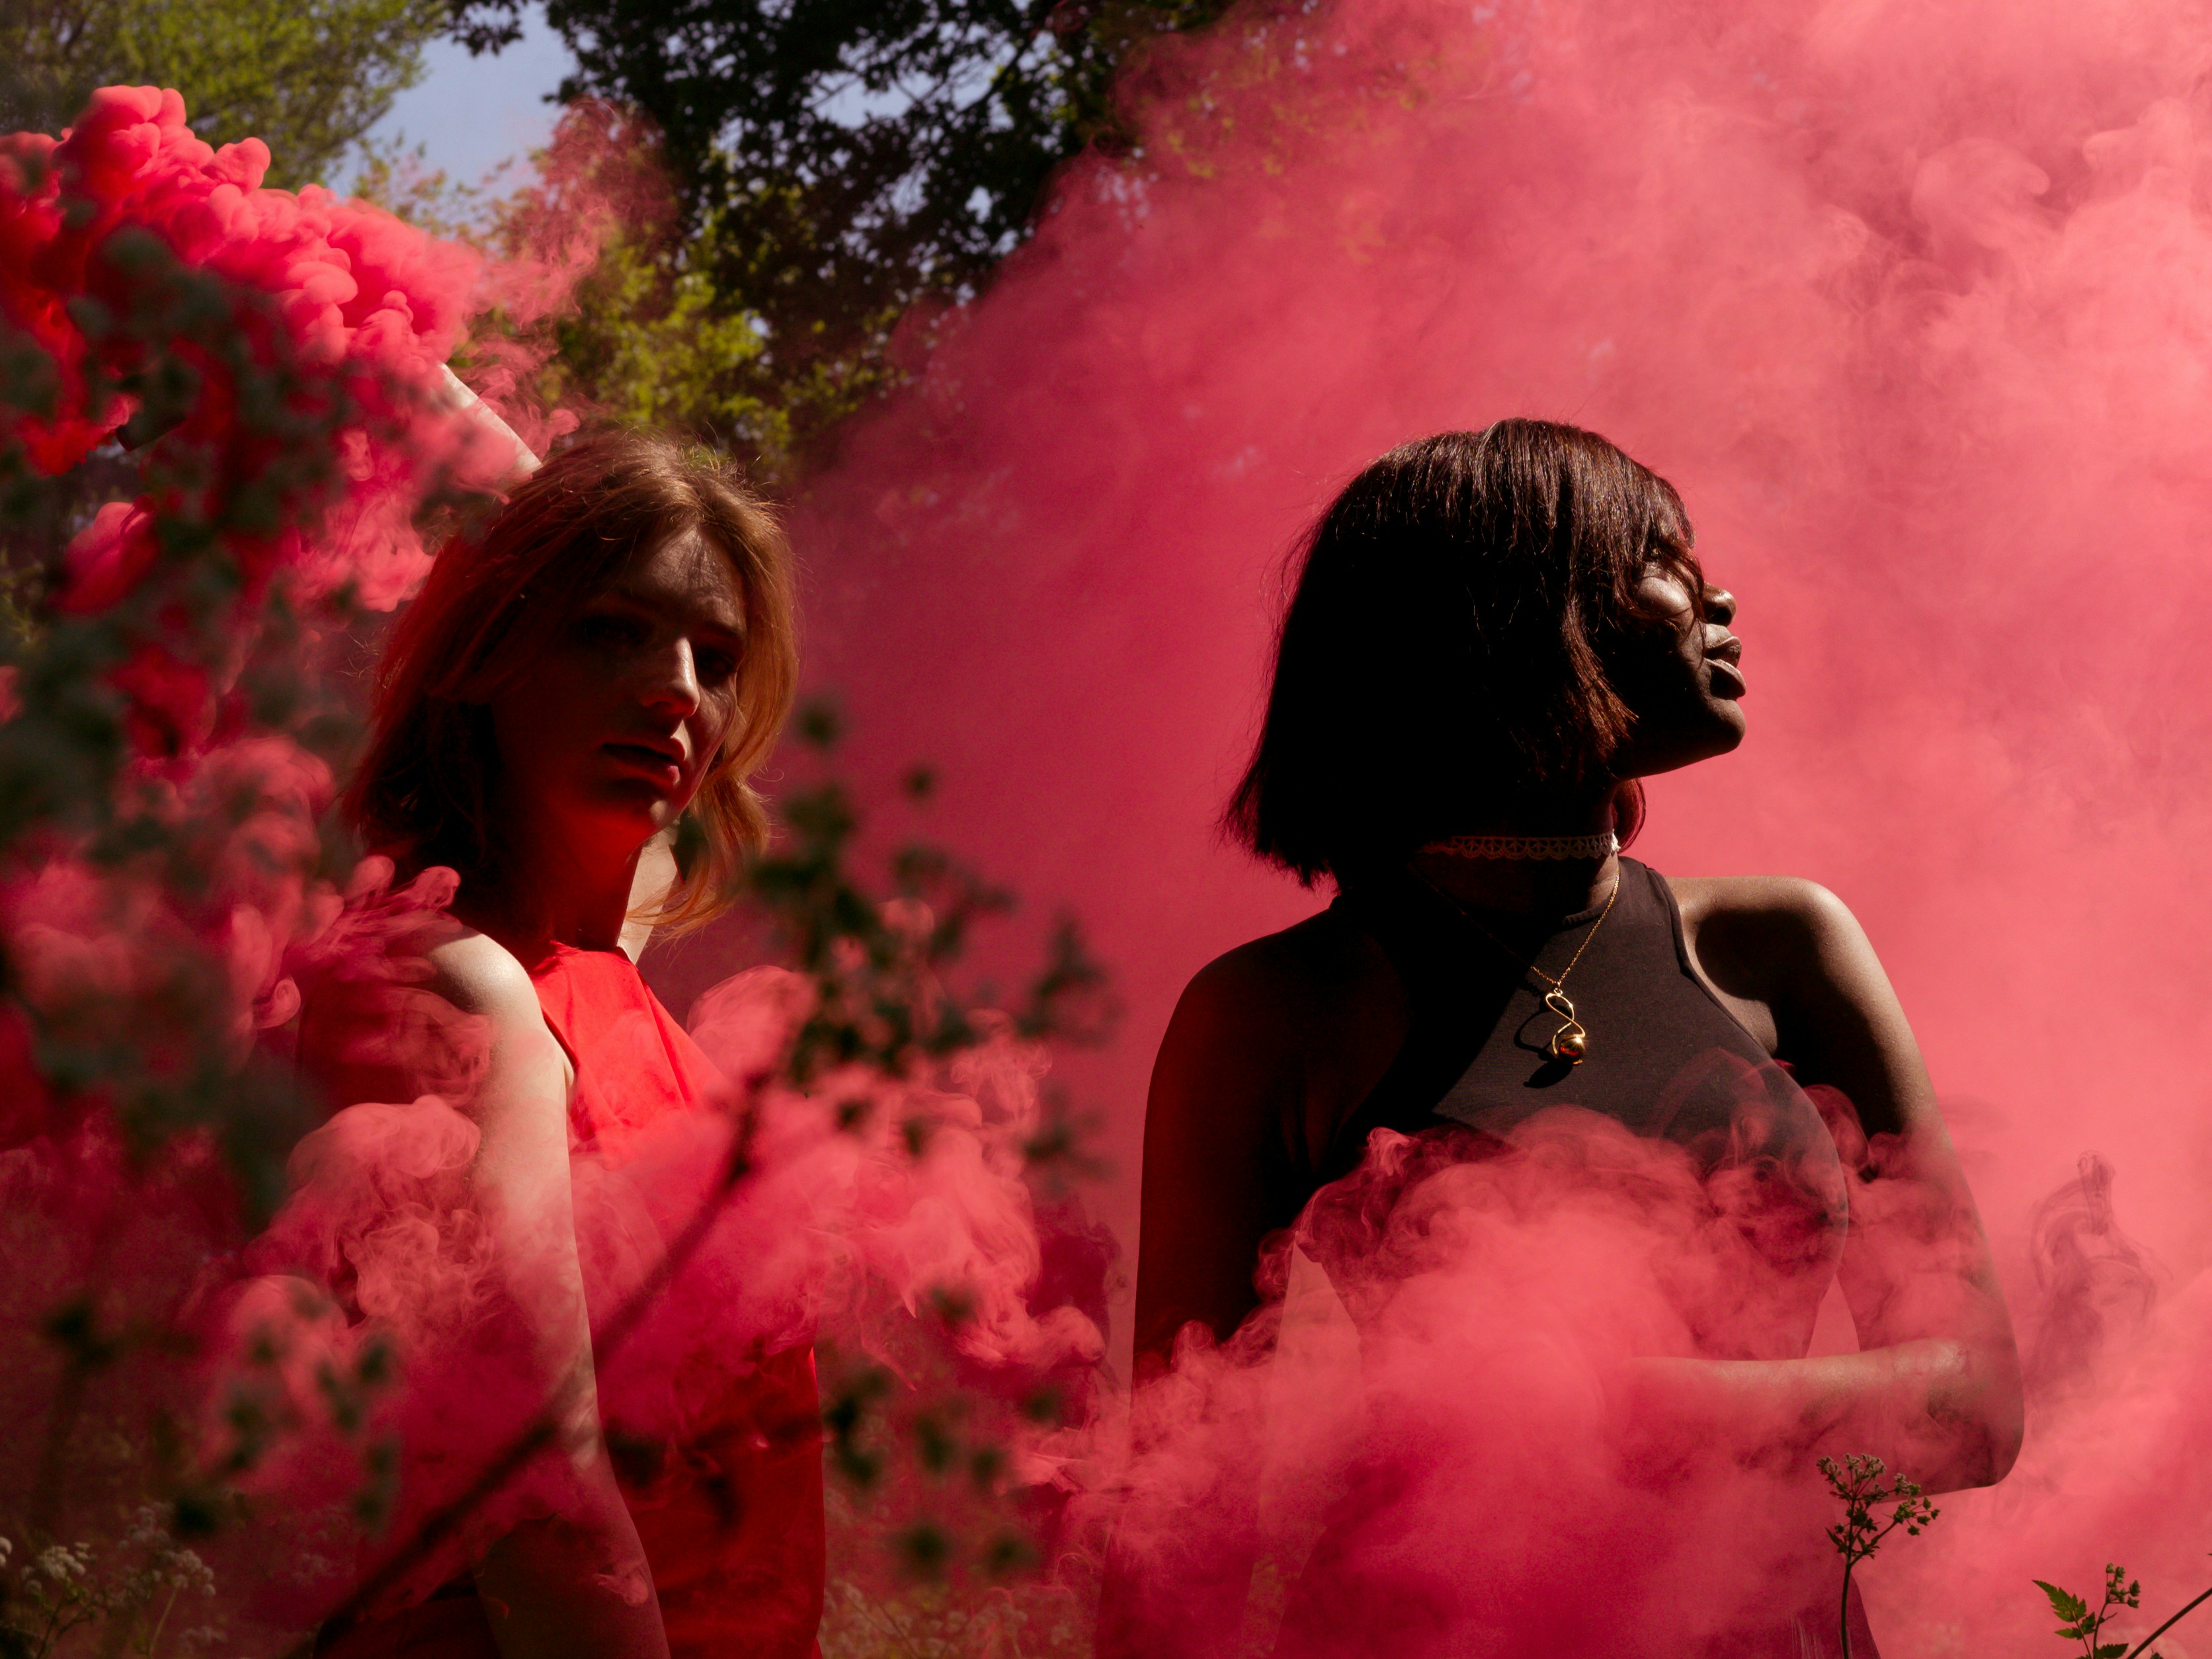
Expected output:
(1443, 656)
(427, 791)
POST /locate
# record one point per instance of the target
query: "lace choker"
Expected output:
(1602, 845)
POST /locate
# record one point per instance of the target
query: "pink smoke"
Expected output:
(1910, 303)
(371, 306)
(847, 1220)
(351, 1367)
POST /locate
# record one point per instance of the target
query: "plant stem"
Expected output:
(154, 1640)
(2140, 1646)
(1844, 1609)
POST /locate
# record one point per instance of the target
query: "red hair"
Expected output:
(425, 791)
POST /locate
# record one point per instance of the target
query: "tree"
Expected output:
(835, 161)
(307, 76)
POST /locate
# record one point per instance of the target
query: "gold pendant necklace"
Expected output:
(1572, 1041)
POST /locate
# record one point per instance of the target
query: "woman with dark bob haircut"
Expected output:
(1493, 637)
(616, 652)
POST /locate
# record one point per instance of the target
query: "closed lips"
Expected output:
(644, 754)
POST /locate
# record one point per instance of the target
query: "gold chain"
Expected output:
(1572, 1041)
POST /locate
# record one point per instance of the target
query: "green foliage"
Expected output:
(2081, 1625)
(2084, 1625)
(829, 181)
(843, 171)
(920, 1455)
(397, 177)
(652, 341)
(160, 1055)
(1857, 1483)
(880, 963)
(133, 798)
(903, 141)
(646, 339)
(307, 76)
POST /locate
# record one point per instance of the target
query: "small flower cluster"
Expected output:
(62, 1588)
(1857, 1482)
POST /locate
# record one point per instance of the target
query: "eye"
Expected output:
(716, 666)
(609, 628)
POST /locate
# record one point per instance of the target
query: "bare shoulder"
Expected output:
(1791, 900)
(1778, 942)
(468, 1016)
(1793, 952)
(482, 977)
(1272, 1044)
(1317, 969)
(479, 975)
(1279, 1038)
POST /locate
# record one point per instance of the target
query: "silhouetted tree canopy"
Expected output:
(308, 76)
(838, 160)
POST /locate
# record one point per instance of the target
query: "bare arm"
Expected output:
(576, 1586)
(1936, 1388)
(506, 456)
(1211, 1131)
(1270, 1047)
(1179, 1573)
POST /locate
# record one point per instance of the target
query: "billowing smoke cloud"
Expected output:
(789, 1216)
(353, 1367)
(1910, 301)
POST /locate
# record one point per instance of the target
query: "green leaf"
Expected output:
(2064, 1603)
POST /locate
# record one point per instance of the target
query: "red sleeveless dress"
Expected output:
(730, 1517)
(731, 1523)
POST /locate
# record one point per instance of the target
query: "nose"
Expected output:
(671, 683)
(1720, 605)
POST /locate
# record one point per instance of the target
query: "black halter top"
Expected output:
(1665, 1059)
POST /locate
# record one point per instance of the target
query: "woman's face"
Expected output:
(1681, 679)
(607, 738)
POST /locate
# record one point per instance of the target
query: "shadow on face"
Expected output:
(1681, 678)
(605, 739)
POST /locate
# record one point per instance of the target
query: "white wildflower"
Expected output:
(148, 1530)
(61, 1563)
(184, 1569)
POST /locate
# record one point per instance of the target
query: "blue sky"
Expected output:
(472, 113)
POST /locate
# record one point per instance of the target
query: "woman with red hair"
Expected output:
(616, 652)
